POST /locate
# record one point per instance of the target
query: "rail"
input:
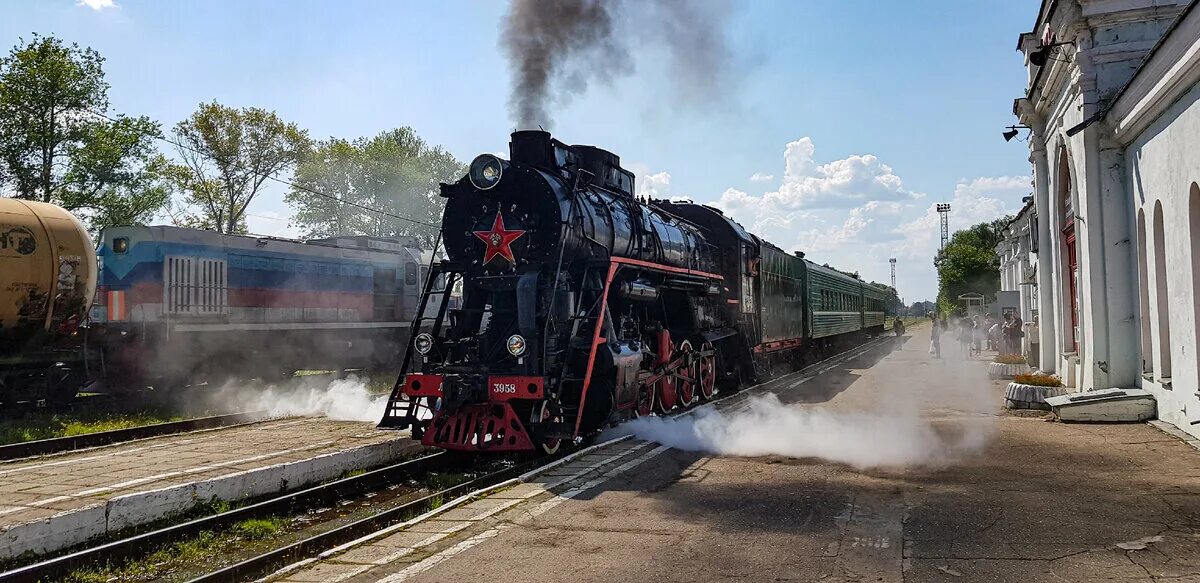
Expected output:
(73, 442)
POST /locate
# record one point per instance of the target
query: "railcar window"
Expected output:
(410, 274)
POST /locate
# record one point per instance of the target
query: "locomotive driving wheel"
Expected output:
(707, 372)
(666, 397)
(687, 387)
(645, 404)
(549, 446)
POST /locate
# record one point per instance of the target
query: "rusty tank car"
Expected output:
(47, 282)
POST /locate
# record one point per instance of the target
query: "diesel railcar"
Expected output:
(180, 305)
(582, 305)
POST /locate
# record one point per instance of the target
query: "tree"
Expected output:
(59, 145)
(969, 264)
(228, 154)
(395, 172)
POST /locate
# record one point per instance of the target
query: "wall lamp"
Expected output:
(1012, 132)
(1039, 57)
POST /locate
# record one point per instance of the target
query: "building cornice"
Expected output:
(1171, 69)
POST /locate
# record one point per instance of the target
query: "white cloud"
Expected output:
(761, 177)
(654, 185)
(97, 5)
(271, 224)
(855, 214)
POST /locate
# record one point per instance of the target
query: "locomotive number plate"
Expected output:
(505, 388)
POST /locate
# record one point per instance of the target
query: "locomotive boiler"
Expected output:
(47, 280)
(582, 306)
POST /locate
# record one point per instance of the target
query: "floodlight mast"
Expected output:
(943, 209)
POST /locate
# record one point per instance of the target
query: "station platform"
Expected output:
(993, 496)
(52, 502)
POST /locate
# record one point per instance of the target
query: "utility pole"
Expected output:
(893, 262)
(943, 209)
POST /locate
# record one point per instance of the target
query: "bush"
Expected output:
(1038, 380)
(1009, 359)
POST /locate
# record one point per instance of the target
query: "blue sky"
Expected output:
(882, 108)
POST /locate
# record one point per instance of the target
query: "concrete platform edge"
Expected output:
(76, 526)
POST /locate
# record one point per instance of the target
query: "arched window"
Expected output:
(1162, 296)
(1070, 255)
(1144, 293)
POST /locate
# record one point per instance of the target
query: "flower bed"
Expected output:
(1032, 396)
(1009, 359)
(1000, 370)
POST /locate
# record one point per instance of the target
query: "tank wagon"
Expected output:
(179, 305)
(582, 305)
(47, 281)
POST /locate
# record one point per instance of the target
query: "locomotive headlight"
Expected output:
(486, 171)
(423, 343)
(516, 345)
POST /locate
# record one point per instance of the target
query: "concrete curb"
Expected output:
(78, 525)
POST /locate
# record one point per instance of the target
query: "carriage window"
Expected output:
(424, 275)
(410, 274)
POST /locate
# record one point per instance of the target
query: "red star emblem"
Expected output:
(498, 241)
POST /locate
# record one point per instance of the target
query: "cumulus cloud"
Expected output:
(856, 213)
(761, 177)
(97, 5)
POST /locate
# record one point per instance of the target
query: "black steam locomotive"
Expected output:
(581, 305)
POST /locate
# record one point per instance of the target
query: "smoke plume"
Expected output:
(892, 435)
(556, 48)
(343, 399)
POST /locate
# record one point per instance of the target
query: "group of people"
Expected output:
(971, 333)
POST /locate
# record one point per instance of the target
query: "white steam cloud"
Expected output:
(343, 399)
(892, 436)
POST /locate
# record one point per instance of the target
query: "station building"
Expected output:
(1113, 111)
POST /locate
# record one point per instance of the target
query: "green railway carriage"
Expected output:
(836, 300)
(782, 282)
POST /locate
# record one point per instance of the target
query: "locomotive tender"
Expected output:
(582, 306)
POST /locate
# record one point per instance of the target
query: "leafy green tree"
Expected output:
(395, 172)
(228, 155)
(58, 144)
(969, 264)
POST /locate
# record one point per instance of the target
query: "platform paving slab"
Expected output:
(50, 503)
(1038, 501)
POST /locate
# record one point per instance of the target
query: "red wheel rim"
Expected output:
(666, 398)
(687, 389)
(708, 374)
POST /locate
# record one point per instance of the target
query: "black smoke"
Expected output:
(557, 47)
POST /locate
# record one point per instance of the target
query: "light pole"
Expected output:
(943, 209)
(893, 262)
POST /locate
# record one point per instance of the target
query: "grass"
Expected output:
(1038, 380)
(1009, 359)
(197, 551)
(37, 426)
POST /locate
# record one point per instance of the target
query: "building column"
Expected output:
(1120, 276)
(1047, 344)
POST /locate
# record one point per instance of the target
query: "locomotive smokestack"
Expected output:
(556, 48)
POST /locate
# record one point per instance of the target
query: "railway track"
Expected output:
(421, 506)
(73, 442)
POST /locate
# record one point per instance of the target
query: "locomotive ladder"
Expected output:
(398, 414)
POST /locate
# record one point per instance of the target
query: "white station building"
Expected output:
(1113, 111)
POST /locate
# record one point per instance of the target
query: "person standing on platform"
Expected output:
(935, 337)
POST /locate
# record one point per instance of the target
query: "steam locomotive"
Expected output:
(582, 306)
